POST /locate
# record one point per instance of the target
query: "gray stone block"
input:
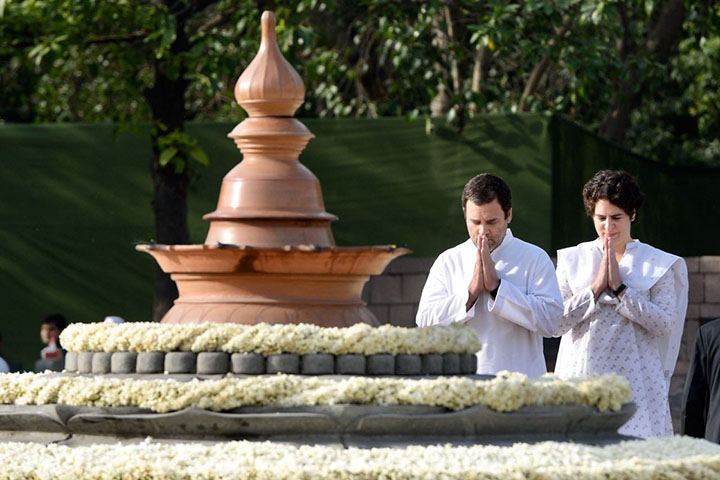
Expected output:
(696, 291)
(150, 362)
(381, 312)
(402, 315)
(317, 364)
(408, 364)
(712, 288)
(710, 264)
(209, 363)
(381, 364)
(283, 363)
(451, 364)
(710, 310)
(411, 265)
(71, 361)
(180, 362)
(385, 289)
(432, 364)
(123, 362)
(247, 363)
(101, 362)
(350, 364)
(468, 363)
(412, 287)
(85, 362)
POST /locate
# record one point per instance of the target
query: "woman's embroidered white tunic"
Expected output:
(637, 337)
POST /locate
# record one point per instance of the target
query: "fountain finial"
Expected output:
(269, 86)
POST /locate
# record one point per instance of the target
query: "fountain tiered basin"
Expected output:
(292, 284)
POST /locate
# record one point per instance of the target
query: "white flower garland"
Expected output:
(507, 392)
(267, 339)
(669, 457)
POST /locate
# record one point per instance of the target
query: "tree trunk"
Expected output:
(661, 40)
(542, 66)
(169, 201)
(481, 65)
(167, 102)
(170, 210)
(450, 42)
(534, 80)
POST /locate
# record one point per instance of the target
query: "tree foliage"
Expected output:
(641, 72)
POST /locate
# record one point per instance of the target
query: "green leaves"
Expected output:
(164, 35)
(167, 155)
(46, 45)
(177, 147)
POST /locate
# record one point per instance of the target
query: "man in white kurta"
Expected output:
(511, 326)
(503, 287)
(637, 336)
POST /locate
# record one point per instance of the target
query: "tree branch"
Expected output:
(664, 34)
(127, 37)
(661, 40)
(216, 21)
(454, 67)
(481, 65)
(626, 44)
(541, 67)
(538, 71)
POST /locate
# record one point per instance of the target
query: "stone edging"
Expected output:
(529, 423)
(211, 363)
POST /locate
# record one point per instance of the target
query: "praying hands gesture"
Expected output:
(608, 276)
(484, 275)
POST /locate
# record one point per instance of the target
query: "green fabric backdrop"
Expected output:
(76, 199)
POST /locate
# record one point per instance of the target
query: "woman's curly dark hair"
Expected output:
(616, 186)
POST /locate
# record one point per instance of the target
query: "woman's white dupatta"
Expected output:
(640, 268)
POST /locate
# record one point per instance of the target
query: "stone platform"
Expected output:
(346, 425)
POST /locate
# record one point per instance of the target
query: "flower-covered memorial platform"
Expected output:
(427, 388)
(341, 409)
(364, 386)
(667, 458)
(399, 444)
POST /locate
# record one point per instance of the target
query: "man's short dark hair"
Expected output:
(56, 319)
(617, 187)
(486, 187)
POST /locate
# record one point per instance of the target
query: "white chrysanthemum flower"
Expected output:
(268, 339)
(507, 392)
(669, 457)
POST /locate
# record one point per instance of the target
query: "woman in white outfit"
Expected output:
(624, 304)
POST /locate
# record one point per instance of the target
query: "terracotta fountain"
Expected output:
(269, 255)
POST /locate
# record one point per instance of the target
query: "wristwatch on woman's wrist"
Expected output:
(493, 293)
(621, 288)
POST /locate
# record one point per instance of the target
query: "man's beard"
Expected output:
(493, 244)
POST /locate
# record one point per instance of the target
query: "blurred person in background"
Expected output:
(4, 365)
(52, 356)
(700, 415)
(113, 319)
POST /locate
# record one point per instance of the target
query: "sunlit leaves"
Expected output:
(176, 147)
